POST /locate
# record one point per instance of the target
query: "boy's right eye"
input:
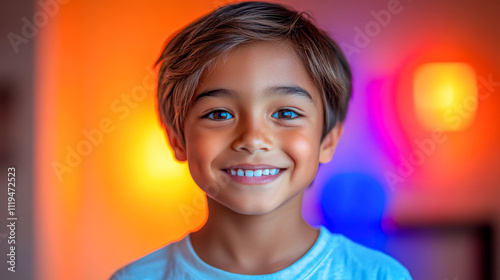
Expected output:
(219, 115)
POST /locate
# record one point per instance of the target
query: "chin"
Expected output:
(251, 208)
(253, 212)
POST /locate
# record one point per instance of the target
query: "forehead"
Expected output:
(255, 67)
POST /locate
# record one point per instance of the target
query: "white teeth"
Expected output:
(252, 173)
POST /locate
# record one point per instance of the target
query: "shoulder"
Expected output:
(362, 262)
(151, 266)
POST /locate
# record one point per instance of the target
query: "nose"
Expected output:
(253, 135)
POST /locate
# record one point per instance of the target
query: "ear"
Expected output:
(329, 143)
(176, 144)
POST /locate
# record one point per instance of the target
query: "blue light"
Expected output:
(353, 204)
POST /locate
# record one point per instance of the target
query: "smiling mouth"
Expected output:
(254, 172)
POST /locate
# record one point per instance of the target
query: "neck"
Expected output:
(254, 244)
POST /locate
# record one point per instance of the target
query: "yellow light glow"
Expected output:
(157, 159)
(151, 158)
(151, 172)
(445, 95)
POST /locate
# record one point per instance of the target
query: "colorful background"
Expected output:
(415, 174)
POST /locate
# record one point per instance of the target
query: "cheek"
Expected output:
(202, 149)
(302, 148)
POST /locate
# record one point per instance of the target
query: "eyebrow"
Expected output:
(278, 90)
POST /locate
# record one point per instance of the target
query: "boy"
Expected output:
(253, 96)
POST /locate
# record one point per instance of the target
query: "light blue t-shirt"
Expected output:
(333, 256)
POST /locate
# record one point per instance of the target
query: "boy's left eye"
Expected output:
(285, 114)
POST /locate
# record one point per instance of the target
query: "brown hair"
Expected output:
(198, 46)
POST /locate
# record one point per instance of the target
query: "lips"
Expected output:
(252, 166)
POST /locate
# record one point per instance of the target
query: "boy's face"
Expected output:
(255, 113)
